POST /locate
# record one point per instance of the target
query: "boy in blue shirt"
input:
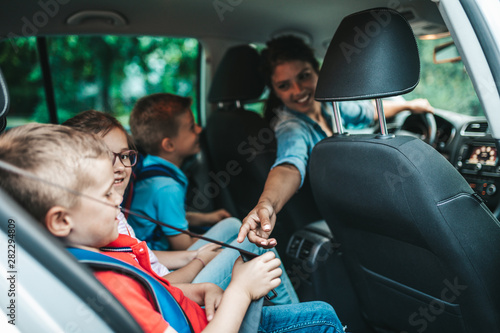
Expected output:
(163, 127)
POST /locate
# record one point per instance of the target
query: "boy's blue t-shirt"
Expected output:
(161, 198)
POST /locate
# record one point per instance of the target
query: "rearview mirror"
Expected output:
(446, 52)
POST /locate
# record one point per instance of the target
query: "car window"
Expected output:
(446, 85)
(107, 73)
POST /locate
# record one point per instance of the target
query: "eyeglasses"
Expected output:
(128, 158)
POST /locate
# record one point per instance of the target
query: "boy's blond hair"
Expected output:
(155, 117)
(55, 153)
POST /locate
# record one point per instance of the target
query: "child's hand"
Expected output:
(203, 219)
(258, 276)
(204, 294)
(207, 252)
(216, 216)
(213, 296)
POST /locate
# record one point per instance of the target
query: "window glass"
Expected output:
(106, 73)
(447, 86)
(21, 69)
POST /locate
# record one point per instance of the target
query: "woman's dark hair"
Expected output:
(278, 51)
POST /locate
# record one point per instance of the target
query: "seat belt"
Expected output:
(251, 321)
(142, 173)
(165, 303)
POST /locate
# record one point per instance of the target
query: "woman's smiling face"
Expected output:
(294, 82)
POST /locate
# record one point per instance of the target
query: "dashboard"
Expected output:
(467, 143)
(477, 161)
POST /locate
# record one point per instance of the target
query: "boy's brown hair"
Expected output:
(155, 117)
(55, 153)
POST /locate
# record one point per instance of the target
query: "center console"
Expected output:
(477, 161)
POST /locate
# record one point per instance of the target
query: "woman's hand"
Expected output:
(281, 184)
(420, 105)
(258, 225)
(258, 276)
(393, 107)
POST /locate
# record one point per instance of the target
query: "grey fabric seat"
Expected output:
(421, 249)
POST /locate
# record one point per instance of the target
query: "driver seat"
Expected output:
(422, 250)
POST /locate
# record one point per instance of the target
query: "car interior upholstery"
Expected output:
(396, 225)
(434, 236)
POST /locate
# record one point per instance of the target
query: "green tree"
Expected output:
(107, 73)
(446, 86)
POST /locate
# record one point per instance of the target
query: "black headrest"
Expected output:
(237, 78)
(4, 102)
(373, 54)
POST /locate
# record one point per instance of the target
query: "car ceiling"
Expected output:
(238, 20)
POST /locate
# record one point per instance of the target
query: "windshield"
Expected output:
(446, 85)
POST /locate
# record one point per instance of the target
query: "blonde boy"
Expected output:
(81, 163)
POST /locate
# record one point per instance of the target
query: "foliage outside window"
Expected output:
(106, 73)
(446, 86)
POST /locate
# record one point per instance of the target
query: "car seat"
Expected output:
(242, 147)
(421, 248)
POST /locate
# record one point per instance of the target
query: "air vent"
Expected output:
(305, 249)
(293, 246)
(477, 128)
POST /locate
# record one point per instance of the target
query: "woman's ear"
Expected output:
(167, 145)
(58, 222)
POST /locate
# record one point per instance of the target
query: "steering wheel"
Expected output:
(421, 125)
(430, 121)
